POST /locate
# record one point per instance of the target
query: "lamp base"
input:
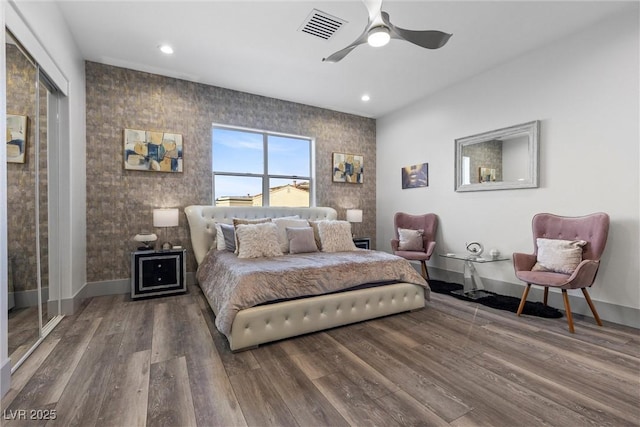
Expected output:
(145, 248)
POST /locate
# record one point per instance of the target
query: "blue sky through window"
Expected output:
(242, 152)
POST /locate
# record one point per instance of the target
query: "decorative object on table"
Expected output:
(354, 216)
(493, 300)
(16, 138)
(428, 223)
(475, 248)
(348, 168)
(494, 253)
(547, 229)
(146, 238)
(152, 151)
(166, 218)
(415, 176)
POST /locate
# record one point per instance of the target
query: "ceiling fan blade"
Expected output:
(337, 56)
(374, 7)
(429, 39)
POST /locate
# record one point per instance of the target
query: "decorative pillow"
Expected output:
(228, 237)
(335, 236)
(283, 224)
(410, 240)
(220, 244)
(301, 240)
(559, 256)
(241, 221)
(316, 233)
(258, 240)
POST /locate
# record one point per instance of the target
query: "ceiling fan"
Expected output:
(380, 30)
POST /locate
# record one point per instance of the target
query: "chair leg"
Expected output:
(524, 299)
(546, 295)
(567, 309)
(425, 273)
(591, 306)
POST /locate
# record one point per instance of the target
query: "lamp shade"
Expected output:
(165, 217)
(354, 215)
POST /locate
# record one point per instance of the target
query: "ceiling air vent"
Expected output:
(321, 24)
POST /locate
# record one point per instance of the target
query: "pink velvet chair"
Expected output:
(428, 223)
(593, 229)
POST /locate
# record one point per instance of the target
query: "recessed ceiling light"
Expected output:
(165, 48)
(365, 98)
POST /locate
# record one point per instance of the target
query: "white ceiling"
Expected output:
(255, 46)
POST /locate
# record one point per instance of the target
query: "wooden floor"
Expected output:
(24, 329)
(160, 362)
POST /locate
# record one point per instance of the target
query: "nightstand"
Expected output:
(362, 242)
(156, 273)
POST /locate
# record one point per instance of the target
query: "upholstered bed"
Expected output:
(265, 321)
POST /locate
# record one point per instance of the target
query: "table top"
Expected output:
(473, 258)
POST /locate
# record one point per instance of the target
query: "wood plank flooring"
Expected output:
(161, 362)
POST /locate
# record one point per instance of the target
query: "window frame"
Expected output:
(265, 176)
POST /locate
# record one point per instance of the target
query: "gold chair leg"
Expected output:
(546, 295)
(567, 309)
(524, 299)
(425, 273)
(591, 306)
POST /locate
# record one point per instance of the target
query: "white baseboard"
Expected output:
(110, 287)
(621, 315)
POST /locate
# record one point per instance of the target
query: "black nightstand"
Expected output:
(362, 242)
(156, 273)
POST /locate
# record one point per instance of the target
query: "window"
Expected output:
(258, 168)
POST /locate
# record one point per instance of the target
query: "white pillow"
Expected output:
(410, 240)
(335, 236)
(282, 224)
(560, 256)
(258, 240)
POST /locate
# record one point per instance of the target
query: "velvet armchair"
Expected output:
(428, 223)
(588, 232)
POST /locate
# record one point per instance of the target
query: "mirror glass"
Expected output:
(31, 140)
(500, 159)
(22, 175)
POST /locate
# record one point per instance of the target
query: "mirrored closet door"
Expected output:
(32, 132)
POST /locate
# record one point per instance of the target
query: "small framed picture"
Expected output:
(415, 176)
(486, 174)
(16, 138)
(348, 168)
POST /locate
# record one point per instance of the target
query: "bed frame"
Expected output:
(266, 323)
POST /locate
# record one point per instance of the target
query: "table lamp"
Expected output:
(165, 218)
(354, 215)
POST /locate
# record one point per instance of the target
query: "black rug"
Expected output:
(500, 302)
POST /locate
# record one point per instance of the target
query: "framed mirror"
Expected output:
(500, 159)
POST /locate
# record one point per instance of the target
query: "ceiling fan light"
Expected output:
(378, 36)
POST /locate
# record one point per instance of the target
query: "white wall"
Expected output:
(53, 47)
(585, 90)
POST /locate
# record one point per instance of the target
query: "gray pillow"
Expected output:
(301, 240)
(229, 233)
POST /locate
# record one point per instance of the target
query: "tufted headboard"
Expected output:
(202, 220)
